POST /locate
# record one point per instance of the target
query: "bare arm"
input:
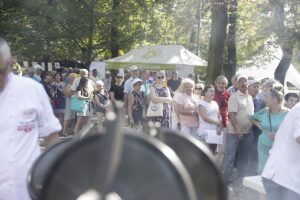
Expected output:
(112, 96)
(298, 139)
(255, 123)
(189, 112)
(51, 139)
(232, 118)
(157, 99)
(203, 114)
(67, 91)
(130, 105)
(176, 109)
(78, 94)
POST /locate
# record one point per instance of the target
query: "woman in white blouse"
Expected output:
(210, 118)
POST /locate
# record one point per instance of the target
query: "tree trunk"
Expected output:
(230, 64)
(284, 63)
(217, 40)
(89, 51)
(286, 41)
(194, 38)
(114, 46)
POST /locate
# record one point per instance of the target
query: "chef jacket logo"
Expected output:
(28, 121)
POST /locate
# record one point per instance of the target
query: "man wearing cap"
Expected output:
(21, 124)
(31, 74)
(253, 89)
(38, 71)
(240, 106)
(107, 81)
(128, 83)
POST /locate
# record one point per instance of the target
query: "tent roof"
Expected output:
(159, 55)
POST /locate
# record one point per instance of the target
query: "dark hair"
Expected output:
(291, 94)
(44, 74)
(61, 77)
(82, 86)
(206, 88)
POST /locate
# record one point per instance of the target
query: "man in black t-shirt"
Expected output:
(173, 83)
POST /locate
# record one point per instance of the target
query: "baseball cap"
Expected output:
(136, 81)
(107, 72)
(119, 74)
(133, 68)
(37, 66)
(250, 82)
(241, 76)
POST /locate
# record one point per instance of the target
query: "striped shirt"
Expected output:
(242, 105)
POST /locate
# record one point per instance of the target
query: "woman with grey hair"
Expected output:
(101, 99)
(268, 120)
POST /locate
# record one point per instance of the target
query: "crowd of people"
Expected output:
(239, 123)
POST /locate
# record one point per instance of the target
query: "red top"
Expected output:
(222, 101)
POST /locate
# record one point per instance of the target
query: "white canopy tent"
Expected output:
(264, 66)
(159, 57)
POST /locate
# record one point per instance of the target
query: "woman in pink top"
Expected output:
(187, 107)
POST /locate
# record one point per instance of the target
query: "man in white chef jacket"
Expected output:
(25, 115)
(281, 174)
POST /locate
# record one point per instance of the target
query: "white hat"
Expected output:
(136, 81)
(107, 72)
(37, 66)
(133, 68)
(241, 76)
(251, 82)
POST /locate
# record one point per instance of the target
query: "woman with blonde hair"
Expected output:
(188, 107)
(160, 93)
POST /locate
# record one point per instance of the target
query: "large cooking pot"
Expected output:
(199, 162)
(148, 170)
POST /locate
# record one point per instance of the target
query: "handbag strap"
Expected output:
(270, 121)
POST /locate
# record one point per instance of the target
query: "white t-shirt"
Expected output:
(212, 111)
(94, 79)
(128, 87)
(26, 115)
(283, 164)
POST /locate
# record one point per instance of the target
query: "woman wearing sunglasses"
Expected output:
(160, 93)
(116, 92)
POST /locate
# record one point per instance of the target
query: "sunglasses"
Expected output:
(119, 77)
(198, 88)
(160, 77)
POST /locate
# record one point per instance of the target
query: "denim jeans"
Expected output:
(241, 147)
(278, 192)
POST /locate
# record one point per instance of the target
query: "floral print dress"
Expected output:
(165, 120)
